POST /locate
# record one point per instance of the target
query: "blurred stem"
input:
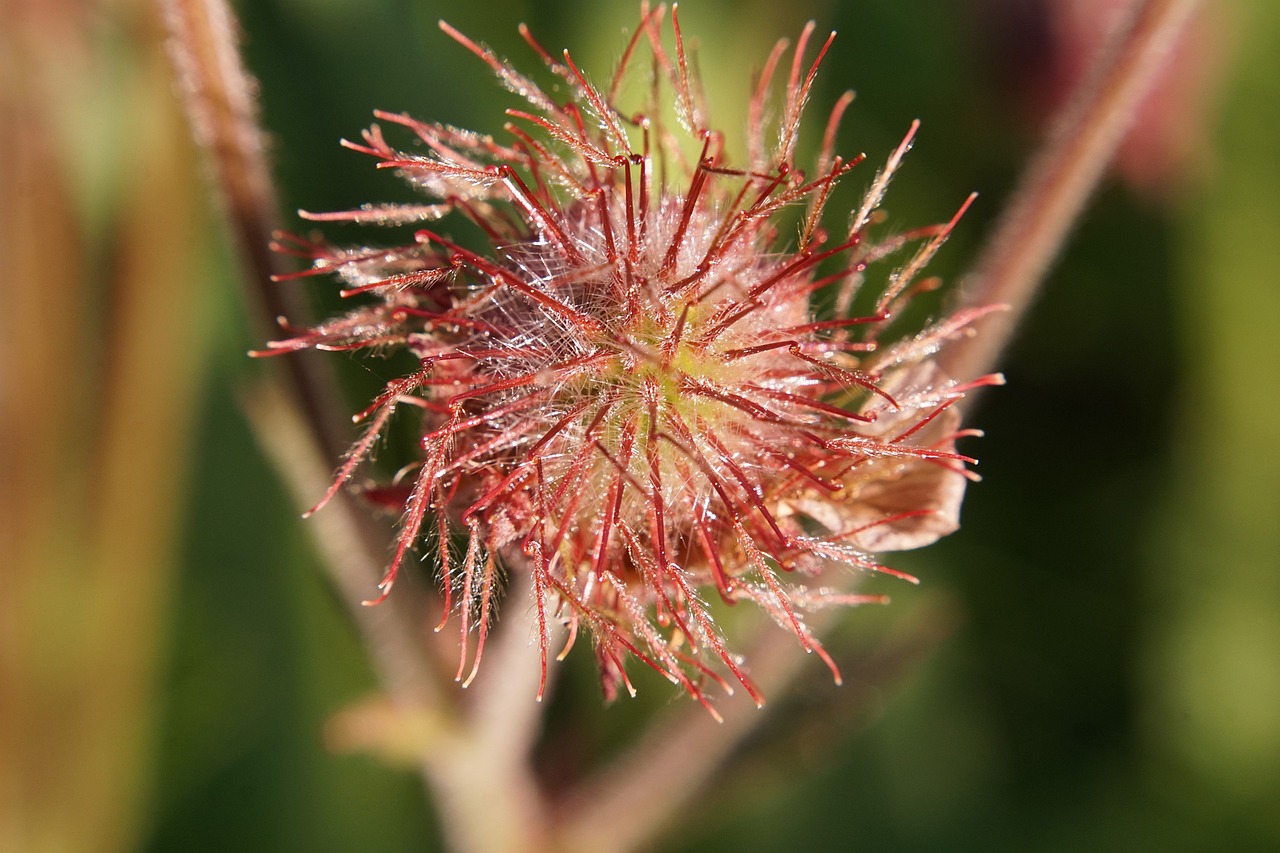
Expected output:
(484, 776)
(475, 755)
(1060, 179)
(394, 631)
(477, 759)
(295, 429)
(219, 97)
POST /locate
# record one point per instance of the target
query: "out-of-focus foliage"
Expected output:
(1113, 677)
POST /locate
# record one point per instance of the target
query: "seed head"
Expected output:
(627, 394)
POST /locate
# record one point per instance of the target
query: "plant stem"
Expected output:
(1060, 179)
(218, 95)
(292, 418)
(393, 631)
(491, 799)
(477, 760)
(476, 755)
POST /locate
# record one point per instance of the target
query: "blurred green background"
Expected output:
(1106, 668)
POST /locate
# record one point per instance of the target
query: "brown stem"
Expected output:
(475, 755)
(394, 630)
(490, 797)
(294, 425)
(218, 95)
(1059, 180)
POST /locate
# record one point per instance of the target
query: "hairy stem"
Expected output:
(490, 797)
(291, 420)
(299, 434)
(218, 95)
(475, 754)
(1060, 179)
(394, 632)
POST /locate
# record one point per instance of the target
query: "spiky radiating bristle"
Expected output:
(627, 394)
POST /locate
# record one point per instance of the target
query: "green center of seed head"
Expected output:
(651, 367)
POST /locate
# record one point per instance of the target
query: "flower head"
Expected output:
(627, 394)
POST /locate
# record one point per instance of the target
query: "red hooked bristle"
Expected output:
(627, 394)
